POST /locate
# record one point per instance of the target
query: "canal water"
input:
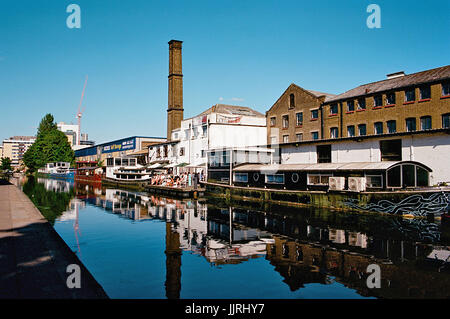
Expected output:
(139, 245)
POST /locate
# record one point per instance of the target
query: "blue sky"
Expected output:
(245, 52)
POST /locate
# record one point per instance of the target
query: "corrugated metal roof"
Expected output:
(355, 166)
(413, 79)
(232, 110)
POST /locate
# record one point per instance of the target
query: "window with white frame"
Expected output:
(241, 177)
(334, 132)
(390, 98)
(275, 179)
(378, 128)
(425, 123)
(350, 130)
(299, 118)
(285, 138)
(318, 179)
(285, 120)
(273, 121)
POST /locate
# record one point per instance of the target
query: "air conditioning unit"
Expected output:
(336, 183)
(357, 184)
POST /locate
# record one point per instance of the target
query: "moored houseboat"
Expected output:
(89, 172)
(126, 171)
(57, 170)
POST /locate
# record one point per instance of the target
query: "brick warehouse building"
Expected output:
(402, 118)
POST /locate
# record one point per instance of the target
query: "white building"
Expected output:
(220, 126)
(430, 148)
(15, 147)
(71, 131)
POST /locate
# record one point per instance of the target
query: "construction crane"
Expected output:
(80, 113)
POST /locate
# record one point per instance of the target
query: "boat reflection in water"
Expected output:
(306, 247)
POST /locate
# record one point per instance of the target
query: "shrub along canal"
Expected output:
(137, 245)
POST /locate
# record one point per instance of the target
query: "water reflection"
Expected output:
(304, 246)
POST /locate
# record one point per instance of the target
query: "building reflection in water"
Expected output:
(302, 248)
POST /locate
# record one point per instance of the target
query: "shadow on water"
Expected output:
(303, 245)
(36, 258)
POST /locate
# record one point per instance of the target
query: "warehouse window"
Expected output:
(291, 101)
(410, 95)
(350, 106)
(390, 98)
(411, 124)
(333, 109)
(285, 121)
(273, 121)
(361, 104)
(334, 132)
(446, 88)
(425, 92)
(323, 153)
(350, 130)
(391, 150)
(299, 118)
(362, 129)
(391, 126)
(377, 101)
(378, 128)
(446, 120)
(425, 123)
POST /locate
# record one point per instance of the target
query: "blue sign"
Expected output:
(119, 146)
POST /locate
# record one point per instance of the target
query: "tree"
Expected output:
(51, 146)
(6, 164)
(47, 125)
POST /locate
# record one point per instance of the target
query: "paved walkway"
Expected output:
(33, 257)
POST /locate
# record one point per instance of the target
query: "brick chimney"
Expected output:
(175, 105)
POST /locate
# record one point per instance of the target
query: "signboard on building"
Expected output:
(120, 146)
(228, 119)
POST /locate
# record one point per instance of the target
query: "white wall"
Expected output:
(430, 150)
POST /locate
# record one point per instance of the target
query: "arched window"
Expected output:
(291, 101)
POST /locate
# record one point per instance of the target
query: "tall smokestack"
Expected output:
(175, 106)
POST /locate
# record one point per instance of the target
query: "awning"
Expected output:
(354, 166)
(170, 165)
(182, 164)
(139, 153)
(156, 165)
(197, 165)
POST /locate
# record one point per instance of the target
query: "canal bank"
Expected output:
(33, 257)
(424, 203)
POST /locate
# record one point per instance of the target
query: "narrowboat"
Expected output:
(88, 172)
(57, 170)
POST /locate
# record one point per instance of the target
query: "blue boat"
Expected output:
(58, 170)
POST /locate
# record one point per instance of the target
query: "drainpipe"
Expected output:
(341, 118)
(321, 121)
(231, 167)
